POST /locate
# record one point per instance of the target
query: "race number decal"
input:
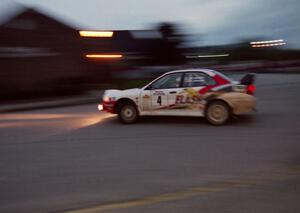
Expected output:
(159, 100)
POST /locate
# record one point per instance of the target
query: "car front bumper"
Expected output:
(107, 106)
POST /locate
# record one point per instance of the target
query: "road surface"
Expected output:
(75, 159)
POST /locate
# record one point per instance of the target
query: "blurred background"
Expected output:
(63, 47)
(58, 153)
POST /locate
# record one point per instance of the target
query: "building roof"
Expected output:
(15, 11)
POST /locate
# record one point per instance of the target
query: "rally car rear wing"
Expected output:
(248, 80)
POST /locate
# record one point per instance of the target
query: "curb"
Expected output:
(68, 101)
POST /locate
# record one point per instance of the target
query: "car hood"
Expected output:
(122, 93)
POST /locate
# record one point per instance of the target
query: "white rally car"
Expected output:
(196, 92)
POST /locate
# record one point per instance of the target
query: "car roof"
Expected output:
(207, 71)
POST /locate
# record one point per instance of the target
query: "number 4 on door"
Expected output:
(159, 100)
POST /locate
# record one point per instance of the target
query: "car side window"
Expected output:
(169, 81)
(197, 79)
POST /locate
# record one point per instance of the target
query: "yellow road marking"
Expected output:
(219, 186)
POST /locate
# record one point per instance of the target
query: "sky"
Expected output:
(212, 22)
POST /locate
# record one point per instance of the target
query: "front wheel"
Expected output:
(128, 113)
(217, 113)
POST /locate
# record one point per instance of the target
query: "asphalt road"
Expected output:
(75, 159)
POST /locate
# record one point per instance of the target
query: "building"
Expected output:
(41, 56)
(38, 55)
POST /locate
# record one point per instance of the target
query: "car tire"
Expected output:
(217, 113)
(128, 113)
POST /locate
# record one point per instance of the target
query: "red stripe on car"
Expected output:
(219, 80)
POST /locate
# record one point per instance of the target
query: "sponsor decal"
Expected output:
(158, 92)
(188, 95)
(193, 99)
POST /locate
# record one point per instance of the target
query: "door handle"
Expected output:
(173, 92)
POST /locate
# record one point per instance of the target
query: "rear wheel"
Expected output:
(217, 113)
(127, 113)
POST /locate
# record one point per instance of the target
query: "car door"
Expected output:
(163, 93)
(191, 98)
